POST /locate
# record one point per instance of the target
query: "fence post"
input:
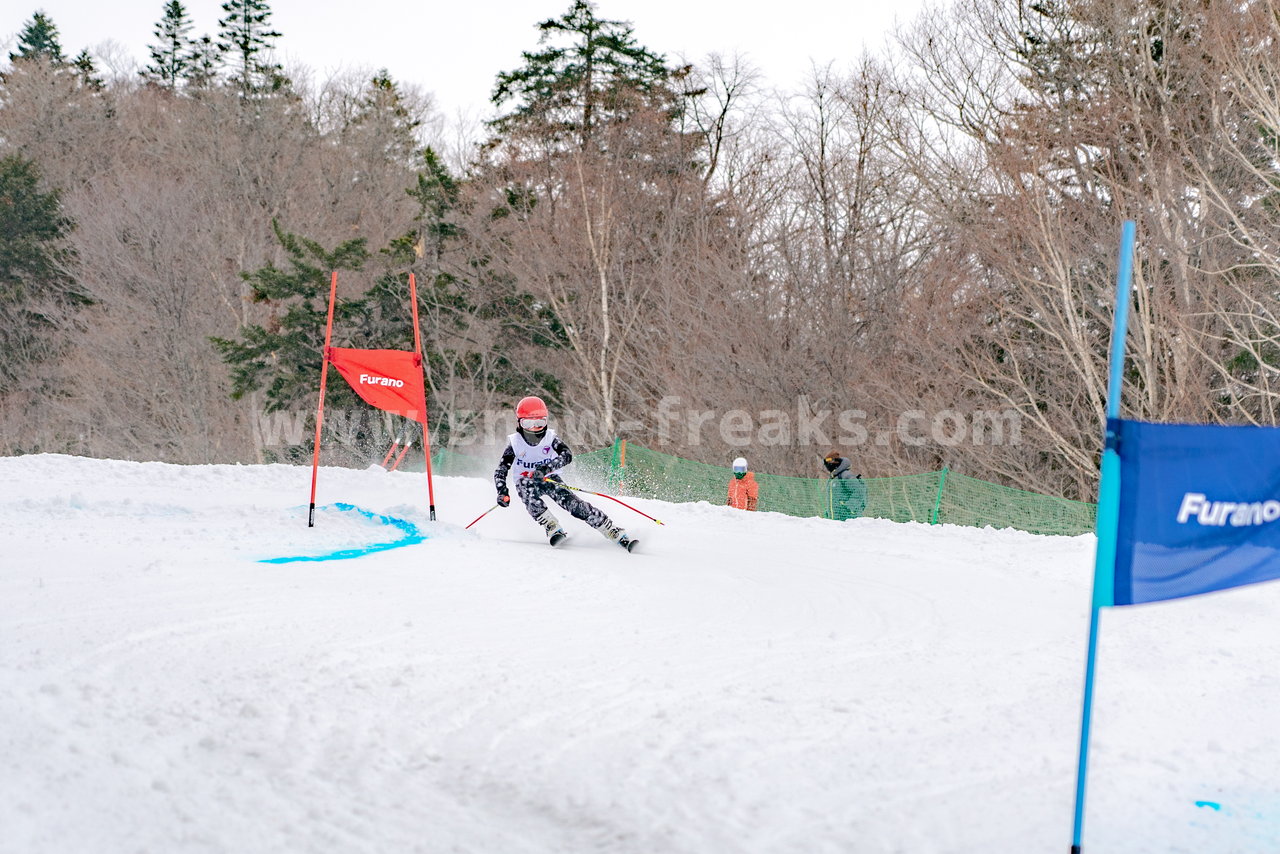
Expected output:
(615, 462)
(937, 502)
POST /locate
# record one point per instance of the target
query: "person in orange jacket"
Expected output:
(743, 489)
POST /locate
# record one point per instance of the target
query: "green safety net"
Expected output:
(944, 497)
(449, 463)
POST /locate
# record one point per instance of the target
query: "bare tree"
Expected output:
(175, 197)
(1086, 113)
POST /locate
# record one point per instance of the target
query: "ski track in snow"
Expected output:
(743, 683)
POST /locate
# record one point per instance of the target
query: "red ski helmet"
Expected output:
(531, 407)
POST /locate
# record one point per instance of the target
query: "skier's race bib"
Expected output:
(529, 457)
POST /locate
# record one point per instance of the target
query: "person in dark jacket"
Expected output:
(846, 493)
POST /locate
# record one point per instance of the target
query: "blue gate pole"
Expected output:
(1104, 567)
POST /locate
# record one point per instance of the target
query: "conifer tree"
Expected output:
(245, 33)
(39, 38)
(284, 354)
(587, 73)
(32, 228)
(205, 60)
(87, 71)
(483, 339)
(172, 54)
(382, 105)
(34, 282)
(473, 320)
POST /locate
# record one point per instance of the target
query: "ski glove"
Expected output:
(541, 472)
(504, 500)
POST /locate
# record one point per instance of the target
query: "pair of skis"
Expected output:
(559, 536)
(628, 543)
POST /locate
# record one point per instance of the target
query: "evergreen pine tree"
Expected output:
(588, 78)
(34, 257)
(172, 54)
(245, 33)
(284, 354)
(202, 69)
(382, 110)
(39, 38)
(32, 228)
(470, 315)
(87, 72)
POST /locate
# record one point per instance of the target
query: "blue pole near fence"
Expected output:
(1104, 567)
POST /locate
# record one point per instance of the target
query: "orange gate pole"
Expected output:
(324, 375)
(417, 348)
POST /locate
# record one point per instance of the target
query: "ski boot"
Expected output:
(555, 534)
(619, 536)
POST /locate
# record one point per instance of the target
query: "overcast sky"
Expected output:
(456, 49)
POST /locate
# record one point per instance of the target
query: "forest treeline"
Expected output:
(921, 242)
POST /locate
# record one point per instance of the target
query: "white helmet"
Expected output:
(740, 464)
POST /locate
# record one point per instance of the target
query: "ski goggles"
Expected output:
(533, 423)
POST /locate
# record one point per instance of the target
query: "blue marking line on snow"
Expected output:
(411, 536)
(1210, 804)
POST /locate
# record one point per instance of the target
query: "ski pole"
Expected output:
(482, 515)
(602, 495)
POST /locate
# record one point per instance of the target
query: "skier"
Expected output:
(538, 455)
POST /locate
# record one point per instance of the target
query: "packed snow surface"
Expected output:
(743, 683)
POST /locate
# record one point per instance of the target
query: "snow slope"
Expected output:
(744, 683)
